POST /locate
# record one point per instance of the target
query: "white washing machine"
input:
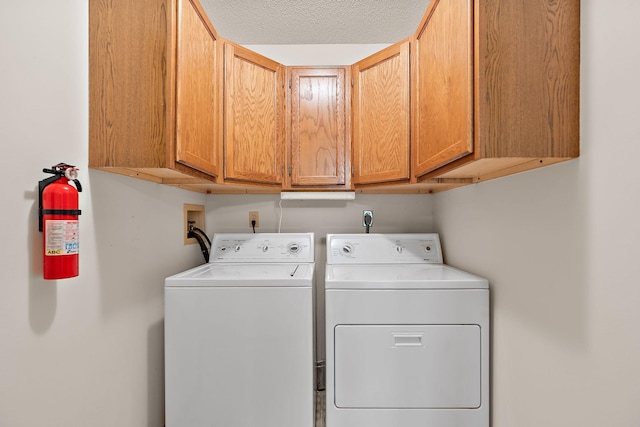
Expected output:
(239, 335)
(407, 337)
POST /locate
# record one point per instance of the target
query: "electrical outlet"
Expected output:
(254, 216)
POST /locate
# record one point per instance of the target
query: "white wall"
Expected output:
(560, 248)
(86, 351)
(558, 244)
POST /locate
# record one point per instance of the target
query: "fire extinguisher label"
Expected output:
(62, 237)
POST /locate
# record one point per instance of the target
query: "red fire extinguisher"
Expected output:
(59, 222)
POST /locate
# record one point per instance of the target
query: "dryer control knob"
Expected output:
(399, 249)
(347, 250)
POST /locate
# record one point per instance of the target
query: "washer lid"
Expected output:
(401, 276)
(244, 275)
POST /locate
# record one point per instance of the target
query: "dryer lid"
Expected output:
(401, 276)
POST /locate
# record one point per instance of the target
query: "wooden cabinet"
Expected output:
(496, 88)
(319, 144)
(254, 117)
(197, 95)
(381, 119)
(443, 97)
(493, 89)
(154, 94)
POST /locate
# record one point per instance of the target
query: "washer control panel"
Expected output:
(262, 247)
(384, 248)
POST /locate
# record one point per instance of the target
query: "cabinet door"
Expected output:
(130, 95)
(443, 89)
(318, 127)
(254, 117)
(198, 97)
(381, 121)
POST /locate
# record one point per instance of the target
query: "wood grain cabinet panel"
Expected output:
(496, 88)
(443, 85)
(319, 138)
(254, 117)
(197, 91)
(491, 88)
(155, 101)
(381, 119)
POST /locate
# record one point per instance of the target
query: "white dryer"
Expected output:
(239, 335)
(407, 337)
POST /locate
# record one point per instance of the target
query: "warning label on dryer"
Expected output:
(62, 237)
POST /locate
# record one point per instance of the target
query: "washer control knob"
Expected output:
(347, 250)
(265, 248)
(293, 248)
(427, 248)
(399, 249)
(237, 248)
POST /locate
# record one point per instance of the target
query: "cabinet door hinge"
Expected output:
(283, 166)
(352, 82)
(283, 83)
(289, 170)
(353, 171)
(289, 83)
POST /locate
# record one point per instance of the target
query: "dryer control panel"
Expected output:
(384, 248)
(262, 247)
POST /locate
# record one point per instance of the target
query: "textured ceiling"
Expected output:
(315, 21)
